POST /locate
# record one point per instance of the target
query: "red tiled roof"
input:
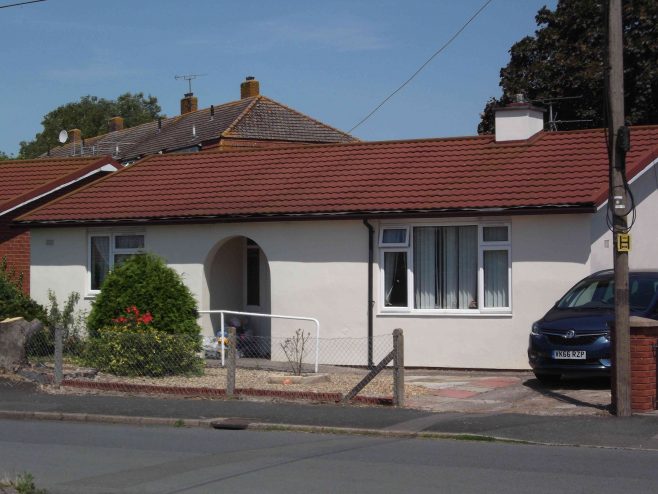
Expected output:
(257, 117)
(552, 169)
(24, 180)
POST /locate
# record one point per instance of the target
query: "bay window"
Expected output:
(108, 250)
(445, 268)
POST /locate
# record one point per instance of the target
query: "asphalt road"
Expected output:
(100, 458)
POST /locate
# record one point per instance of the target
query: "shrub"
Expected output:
(42, 344)
(147, 283)
(144, 353)
(13, 302)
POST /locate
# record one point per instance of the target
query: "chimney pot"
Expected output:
(249, 88)
(188, 104)
(115, 123)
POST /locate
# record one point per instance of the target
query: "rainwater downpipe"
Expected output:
(371, 302)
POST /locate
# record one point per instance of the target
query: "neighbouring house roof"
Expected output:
(565, 170)
(255, 118)
(24, 181)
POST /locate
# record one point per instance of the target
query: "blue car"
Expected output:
(573, 338)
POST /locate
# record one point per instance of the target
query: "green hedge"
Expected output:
(151, 353)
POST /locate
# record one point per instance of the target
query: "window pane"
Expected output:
(100, 260)
(394, 236)
(129, 241)
(494, 233)
(445, 267)
(496, 278)
(119, 259)
(253, 276)
(395, 279)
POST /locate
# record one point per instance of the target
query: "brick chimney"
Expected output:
(75, 136)
(188, 104)
(249, 88)
(115, 123)
(518, 121)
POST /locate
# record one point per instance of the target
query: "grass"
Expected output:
(23, 483)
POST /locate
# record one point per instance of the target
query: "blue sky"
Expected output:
(333, 60)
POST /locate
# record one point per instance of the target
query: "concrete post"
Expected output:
(398, 368)
(59, 356)
(230, 364)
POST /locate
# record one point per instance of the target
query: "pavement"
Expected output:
(462, 405)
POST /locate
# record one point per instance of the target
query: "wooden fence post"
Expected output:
(398, 368)
(230, 364)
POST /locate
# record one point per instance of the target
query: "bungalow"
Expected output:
(27, 184)
(462, 242)
(252, 121)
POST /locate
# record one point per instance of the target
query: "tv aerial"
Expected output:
(189, 78)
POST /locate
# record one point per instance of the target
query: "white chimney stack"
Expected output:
(518, 121)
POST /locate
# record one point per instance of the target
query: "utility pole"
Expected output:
(618, 144)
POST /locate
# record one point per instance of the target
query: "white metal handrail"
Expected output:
(271, 316)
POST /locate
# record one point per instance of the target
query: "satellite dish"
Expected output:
(63, 136)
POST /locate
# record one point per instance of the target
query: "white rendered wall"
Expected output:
(319, 269)
(644, 234)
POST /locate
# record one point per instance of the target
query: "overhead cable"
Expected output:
(437, 52)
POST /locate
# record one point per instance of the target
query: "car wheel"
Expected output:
(548, 379)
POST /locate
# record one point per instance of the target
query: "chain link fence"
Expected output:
(156, 362)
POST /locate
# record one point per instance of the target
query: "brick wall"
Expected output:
(15, 246)
(643, 368)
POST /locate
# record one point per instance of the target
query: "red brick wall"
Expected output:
(643, 369)
(15, 246)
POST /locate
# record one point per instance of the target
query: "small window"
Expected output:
(108, 251)
(129, 241)
(494, 234)
(395, 283)
(394, 237)
(99, 260)
(496, 278)
(253, 274)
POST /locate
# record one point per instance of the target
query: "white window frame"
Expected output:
(394, 244)
(482, 247)
(111, 234)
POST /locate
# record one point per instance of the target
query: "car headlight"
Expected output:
(535, 329)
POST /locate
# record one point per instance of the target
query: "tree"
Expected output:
(566, 58)
(91, 115)
(5, 156)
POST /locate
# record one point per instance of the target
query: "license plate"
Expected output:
(570, 354)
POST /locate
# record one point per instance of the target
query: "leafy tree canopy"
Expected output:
(5, 156)
(91, 115)
(566, 58)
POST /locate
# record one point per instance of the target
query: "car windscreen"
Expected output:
(600, 294)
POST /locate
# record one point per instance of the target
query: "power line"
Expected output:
(445, 45)
(20, 3)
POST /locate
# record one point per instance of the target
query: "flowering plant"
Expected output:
(133, 320)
